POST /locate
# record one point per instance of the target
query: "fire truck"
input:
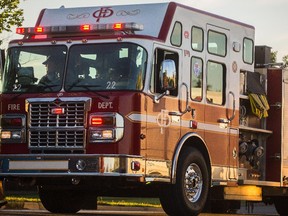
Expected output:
(149, 100)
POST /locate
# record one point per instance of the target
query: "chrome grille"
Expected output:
(65, 131)
(41, 115)
(57, 138)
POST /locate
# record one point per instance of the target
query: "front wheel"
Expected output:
(188, 196)
(60, 201)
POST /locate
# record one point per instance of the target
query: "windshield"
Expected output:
(34, 69)
(105, 67)
(90, 67)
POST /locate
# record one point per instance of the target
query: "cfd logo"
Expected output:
(163, 119)
(104, 12)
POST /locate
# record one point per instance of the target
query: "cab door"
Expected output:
(163, 119)
(220, 135)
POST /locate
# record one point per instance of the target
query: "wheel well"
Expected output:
(190, 140)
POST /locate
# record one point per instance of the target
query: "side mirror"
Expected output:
(168, 75)
(167, 78)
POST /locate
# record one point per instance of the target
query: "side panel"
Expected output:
(274, 122)
(285, 127)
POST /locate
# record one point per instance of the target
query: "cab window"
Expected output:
(196, 78)
(197, 39)
(217, 43)
(248, 47)
(176, 37)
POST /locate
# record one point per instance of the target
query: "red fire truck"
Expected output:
(155, 100)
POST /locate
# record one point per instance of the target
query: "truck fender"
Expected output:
(193, 140)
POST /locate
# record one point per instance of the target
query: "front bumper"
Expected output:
(35, 165)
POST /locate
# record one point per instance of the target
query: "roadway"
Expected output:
(32, 209)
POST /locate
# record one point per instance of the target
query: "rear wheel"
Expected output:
(60, 201)
(281, 205)
(188, 196)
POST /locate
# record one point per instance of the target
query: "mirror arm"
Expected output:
(158, 97)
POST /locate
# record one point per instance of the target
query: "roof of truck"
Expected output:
(156, 18)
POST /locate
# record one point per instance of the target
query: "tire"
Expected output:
(188, 196)
(60, 201)
(281, 205)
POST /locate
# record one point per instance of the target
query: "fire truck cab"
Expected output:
(156, 100)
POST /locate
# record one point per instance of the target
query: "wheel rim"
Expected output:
(193, 182)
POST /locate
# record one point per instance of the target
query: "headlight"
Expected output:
(105, 127)
(13, 129)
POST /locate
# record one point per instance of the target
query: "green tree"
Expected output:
(285, 60)
(10, 15)
(274, 56)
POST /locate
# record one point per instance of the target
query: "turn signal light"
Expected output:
(11, 122)
(135, 165)
(96, 121)
(102, 121)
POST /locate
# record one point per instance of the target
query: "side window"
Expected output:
(248, 47)
(159, 56)
(217, 43)
(216, 76)
(176, 36)
(197, 38)
(196, 78)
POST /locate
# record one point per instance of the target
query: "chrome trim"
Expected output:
(66, 131)
(37, 165)
(64, 99)
(55, 165)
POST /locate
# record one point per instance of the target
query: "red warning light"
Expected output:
(96, 121)
(57, 111)
(20, 30)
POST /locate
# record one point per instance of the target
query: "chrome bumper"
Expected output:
(34, 165)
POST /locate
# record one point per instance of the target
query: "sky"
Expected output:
(267, 16)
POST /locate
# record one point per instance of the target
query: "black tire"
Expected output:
(281, 205)
(60, 201)
(188, 196)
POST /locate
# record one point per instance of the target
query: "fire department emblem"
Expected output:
(163, 120)
(103, 12)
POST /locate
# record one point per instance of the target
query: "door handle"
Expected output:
(234, 111)
(223, 120)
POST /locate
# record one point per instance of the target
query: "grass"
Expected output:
(17, 201)
(120, 201)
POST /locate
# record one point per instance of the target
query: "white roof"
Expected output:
(150, 15)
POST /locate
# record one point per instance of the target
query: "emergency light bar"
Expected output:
(111, 27)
